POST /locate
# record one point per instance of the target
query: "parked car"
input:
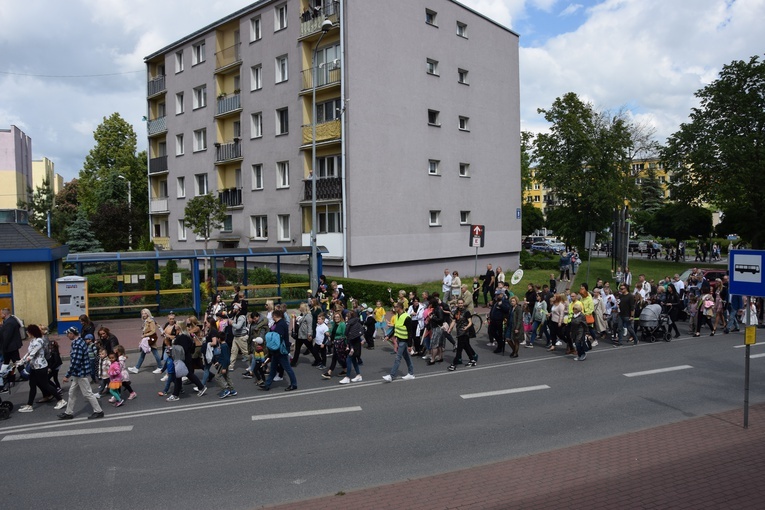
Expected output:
(711, 274)
(541, 247)
(558, 247)
(528, 241)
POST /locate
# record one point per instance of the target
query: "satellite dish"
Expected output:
(517, 276)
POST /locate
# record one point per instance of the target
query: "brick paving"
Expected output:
(709, 462)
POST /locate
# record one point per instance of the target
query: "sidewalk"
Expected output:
(701, 463)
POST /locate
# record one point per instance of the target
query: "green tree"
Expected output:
(80, 235)
(65, 208)
(680, 221)
(532, 219)
(651, 200)
(40, 204)
(719, 156)
(202, 215)
(527, 146)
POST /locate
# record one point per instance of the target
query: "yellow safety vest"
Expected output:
(401, 331)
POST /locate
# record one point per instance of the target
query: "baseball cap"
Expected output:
(73, 331)
(89, 337)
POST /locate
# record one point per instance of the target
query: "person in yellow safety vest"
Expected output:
(588, 308)
(402, 334)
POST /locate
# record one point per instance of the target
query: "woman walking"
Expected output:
(149, 339)
(38, 371)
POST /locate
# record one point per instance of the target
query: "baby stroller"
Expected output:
(6, 381)
(654, 324)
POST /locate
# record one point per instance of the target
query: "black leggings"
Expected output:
(179, 383)
(38, 378)
(463, 344)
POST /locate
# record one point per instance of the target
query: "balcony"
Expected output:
(157, 126)
(158, 206)
(156, 86)
(162, 243)
(325, 131)
(329, 74)
(228, 104)
(158, 165)
(327, 188)
(228, 151)
(227, 58)
(311, 20)
(231, 197)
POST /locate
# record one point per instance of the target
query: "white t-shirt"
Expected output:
(447, 286)
(321, 330)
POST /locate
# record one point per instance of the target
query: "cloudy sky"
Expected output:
(64, 65)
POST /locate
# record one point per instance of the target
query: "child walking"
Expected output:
(103, 372)
(115, 380)
(122, 358)
(169, 367)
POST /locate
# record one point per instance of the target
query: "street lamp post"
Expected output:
(130, 211)
(326, 26)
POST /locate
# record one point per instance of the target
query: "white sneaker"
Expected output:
(133, 370)
(60, 404)
(408, 377)
(184, 379)
(387, 378)
(594, 343)
(344, 380)
(558, 343)
(277, 378)
(357, 378)
(164, 378)
(25, 409)
(97, 395)
(157, 371)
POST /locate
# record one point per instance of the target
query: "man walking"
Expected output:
(402, 328)
(241, 335)
(80, 370)
(626, 315)
(10, 337)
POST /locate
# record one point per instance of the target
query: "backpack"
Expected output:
(274, 343)
(46, 349)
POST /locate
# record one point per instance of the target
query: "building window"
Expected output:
(198, 53)
(464, 217)
(282, 121)
(280, 17)
(434, 219)
(255, 29)
(431, 66)
(180, 187)
(179, 61)
(256, 125)
(433, 165)
(536, 186)
(329, 166)
(328, 110)
(179, 107)
(329, 222)
(259, 227)
(462, 29)
(200, 180)
(256, 77)
(180, 149)
(536, 198)
(200, 140)
(464, 123)
(430, 17)
(282, 69)
(283, 174)
(228, 224)
(464, 170)
(257, 176)
(283, 221)
(462, 76)
(181, 230)
(200, 97)
(433, 118)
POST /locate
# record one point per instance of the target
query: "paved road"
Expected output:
(247, 451)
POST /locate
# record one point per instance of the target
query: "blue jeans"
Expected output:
(534, 327)
(281, 360)
(403, 351)
(626, 323)
(142, 355)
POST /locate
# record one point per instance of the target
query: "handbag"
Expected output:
(471, 331)
(181, 370)
(589, 319)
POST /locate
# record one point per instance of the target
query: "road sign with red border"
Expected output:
(477, 236)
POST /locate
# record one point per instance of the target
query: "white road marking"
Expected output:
(757, 355)
(66, 433)
(658, 371)
(744, 345)
(505, 392)
(306, 413)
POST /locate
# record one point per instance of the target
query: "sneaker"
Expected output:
(277, 378)
(247, 375)
(408, 377)
(558, 343)
(223, 394)
(60, 404)
(321, 367)
(112, 400)
(290, 388)
(530, 346)
(326, 375)
(157, 371)
(472, 363)
(173, 398)
(452, 368)
(344, 380)
(119, 403)
(387, 378)
(132, 395)
(357, 378)
(65, 416)
(97, 395)
(184, 379)
(95, 415)
(582, 357)
(133, 370)
(232, 393)
(202, 391)
(164, 378)
(594, 343)
(26, 409)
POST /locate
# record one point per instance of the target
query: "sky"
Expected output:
(64, 66)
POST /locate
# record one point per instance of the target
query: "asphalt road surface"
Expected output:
(261, 448)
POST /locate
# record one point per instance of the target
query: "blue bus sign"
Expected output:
(745, 273)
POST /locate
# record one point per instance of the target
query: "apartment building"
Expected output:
(15, 167)
(417, 133)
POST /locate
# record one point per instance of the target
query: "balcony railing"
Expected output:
(228, 151)
(325, 131)
(157, 126)
(227, 56)
(158, 205)
(328, 74)
(156, 85)
(328, 188)
(231, 197)
(229, 104)
(312, 19)
(157, 165)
